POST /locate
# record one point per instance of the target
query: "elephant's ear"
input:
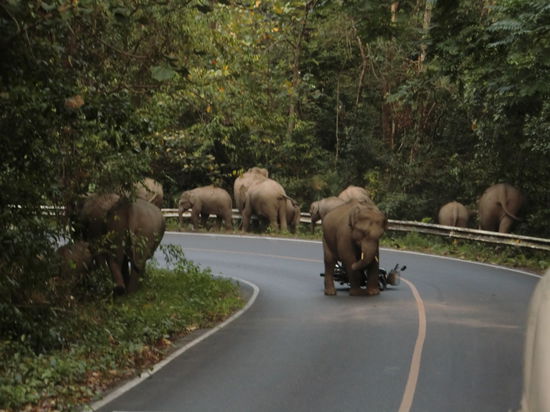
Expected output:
(385, 225)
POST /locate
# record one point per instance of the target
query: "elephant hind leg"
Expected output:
(133, 280)
(116, 263)
(505, 225)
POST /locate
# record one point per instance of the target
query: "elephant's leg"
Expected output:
(116, 262)
(505, 224)
(219, 222)
(204, 219)
(228, 220)
(330, 263)
(354, 276)
(246, 219)
(272, 218)
(125, 269)
(195, 218)
(133, 280)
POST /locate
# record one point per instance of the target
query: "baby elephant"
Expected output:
(454, 214)
(351, 233)
(205, 201)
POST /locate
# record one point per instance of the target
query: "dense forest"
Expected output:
(420, 101)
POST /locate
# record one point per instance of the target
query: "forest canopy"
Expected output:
(422, 102)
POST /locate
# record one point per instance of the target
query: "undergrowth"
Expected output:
(106, 341)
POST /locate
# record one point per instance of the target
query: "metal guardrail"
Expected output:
(433, 229)
(410, 226)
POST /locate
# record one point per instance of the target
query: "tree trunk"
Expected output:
(296, 79)
(426, 28)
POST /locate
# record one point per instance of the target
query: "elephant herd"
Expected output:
(122, 232)
(498, 208)
(255, 194)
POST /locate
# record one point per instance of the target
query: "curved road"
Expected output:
(449, 338)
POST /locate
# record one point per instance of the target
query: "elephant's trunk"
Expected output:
(368, 253)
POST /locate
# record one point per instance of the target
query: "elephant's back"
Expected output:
(144, 217)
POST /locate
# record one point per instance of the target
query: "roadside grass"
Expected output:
(109, 340)
(532, 260)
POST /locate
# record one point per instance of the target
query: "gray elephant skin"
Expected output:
(355, 193)
(499, 206)
(134, 231)
(453, 214)
(204, 201)
(93, 214)
(242, 183)
(266, 199)
(293, 215)
(150, 190)
(351, 234)
(320, 208)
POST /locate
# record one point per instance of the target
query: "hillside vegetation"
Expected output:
(422, 102)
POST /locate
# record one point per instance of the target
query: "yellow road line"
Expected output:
(414, 370)
(410, 387)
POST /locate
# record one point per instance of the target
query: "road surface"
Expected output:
(448, 338)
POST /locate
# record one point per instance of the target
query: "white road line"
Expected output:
(136, 381)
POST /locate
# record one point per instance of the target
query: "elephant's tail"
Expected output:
(282, 212)
(455, 216)
(294, 202)
(503, 201)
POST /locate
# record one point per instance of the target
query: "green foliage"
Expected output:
(509, 256)
(95, 95)
(111, 340)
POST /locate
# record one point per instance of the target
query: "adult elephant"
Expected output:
(150, 190)
(135, 229)
(351, 234)
(266, 199)
(320, 208)
(204, 201)
(453, 214)
(243, 182)
(355, 193)
(498, 207)
(93, 214)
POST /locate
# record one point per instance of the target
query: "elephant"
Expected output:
(293, 215)
(498, 207)
(134, 231)
(150, 190)
(357, 193)
(267, 199)
(351, 234)
(243, 182)
(454, 214)
(320, 208)
(93, 213)
(204, 201)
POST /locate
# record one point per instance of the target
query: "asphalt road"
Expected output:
(448, 338)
